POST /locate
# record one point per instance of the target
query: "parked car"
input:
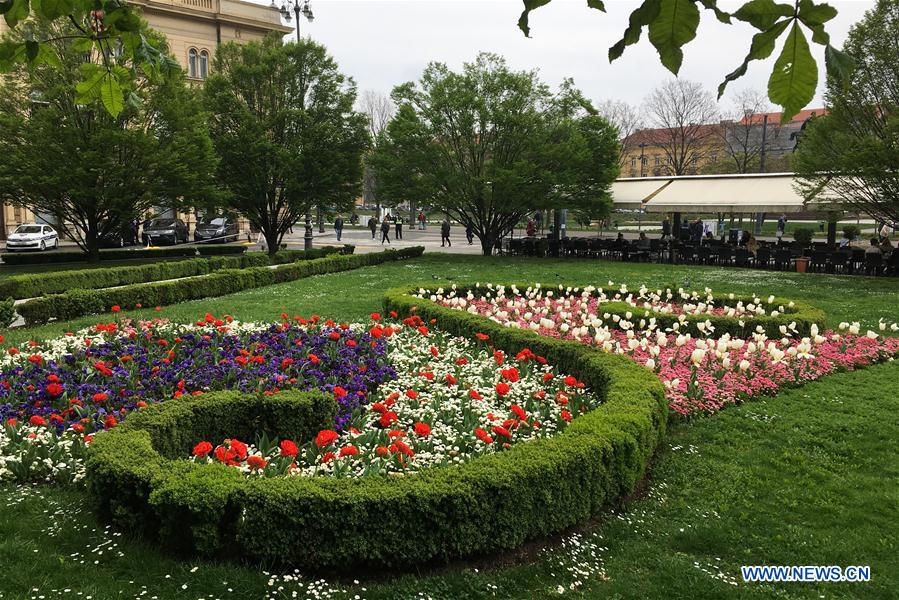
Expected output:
(221, 228)
(32, 237)
(165, 231)
(119, 237)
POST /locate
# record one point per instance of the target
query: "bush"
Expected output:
(490, 504)
(803, 236)
(851, 231)
(78, 303)
(7, 312)
(45, 258)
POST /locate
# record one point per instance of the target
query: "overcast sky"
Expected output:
(385, 42)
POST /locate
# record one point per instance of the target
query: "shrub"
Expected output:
(803, 236)
(78, 303)
(7, 312)
(44, 258)
(851, 231)
(490, 504)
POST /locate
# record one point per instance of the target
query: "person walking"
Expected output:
(781, 226)
(444, 234)
(666, 228)
(373, 225)
(538, 221)
(338, 227)
(385, 231)
(421, 220)
(531, 228)
(469, 233)
(398, 226)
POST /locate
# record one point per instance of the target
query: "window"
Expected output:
(633, 172)
(658, 159)
(633, 161)
(695, 160)
(714, 157)
(204, 64)
(192, 67)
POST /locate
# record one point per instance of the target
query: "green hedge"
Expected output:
(32, 286)
(141, 456)
(801, 313)
(7, 312)
(78, 302)
(490, 504)
(46, 258)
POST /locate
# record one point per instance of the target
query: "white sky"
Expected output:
(382, 43)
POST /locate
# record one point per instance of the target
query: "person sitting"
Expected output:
(751, 244)
(886, 247)
(874, 248)
(642, 242)
(708, 239)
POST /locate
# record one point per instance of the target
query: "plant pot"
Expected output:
(802, 264)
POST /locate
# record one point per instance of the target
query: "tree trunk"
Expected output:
(92, 241)
(272, 240)
(487, 243)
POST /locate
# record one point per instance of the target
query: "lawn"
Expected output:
(808, 477)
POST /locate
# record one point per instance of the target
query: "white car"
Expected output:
(32, 237)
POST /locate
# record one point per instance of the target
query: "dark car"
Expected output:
(118, 237)
(218, 229)
(164, 231)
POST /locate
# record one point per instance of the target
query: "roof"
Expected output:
(742, 193)
(774, 117)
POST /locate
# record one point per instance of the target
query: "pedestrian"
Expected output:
(385, 231)
(373, 225)
(338, 227)
(781, 226)
(398, 226)
(885, 231)
(444, 234)
(421, 220)
(538, 221)
(469, 233)
(531, 229)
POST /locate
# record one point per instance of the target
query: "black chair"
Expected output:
(873, 263)
(743, 258)
(891, 264)
(857, 259)
(818, 262)
(763, 257)
(723, 255)
(783, 259)
(840, 262)
(704, 255)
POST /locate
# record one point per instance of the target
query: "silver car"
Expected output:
(32, 237)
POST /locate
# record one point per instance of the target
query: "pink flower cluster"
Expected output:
(701, 374)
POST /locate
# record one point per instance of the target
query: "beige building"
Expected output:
(194, 28)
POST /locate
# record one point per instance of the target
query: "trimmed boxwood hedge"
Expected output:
(32, 286)
(802, 314)
(490, 504)
(46, 258)
(78, 302)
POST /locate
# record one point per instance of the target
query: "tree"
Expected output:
(745, 131)
(282, 120)
(626, 118)
(682, 113)
(125, 49)
(487, 145)
(849, 157)
(379, 109)
(69, 158)
(671, 24)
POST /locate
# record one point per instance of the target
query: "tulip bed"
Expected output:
(685, 338)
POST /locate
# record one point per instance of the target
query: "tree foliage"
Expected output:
(487, 145)
(65, 155)
(126, 49)
(671, 24)
(850, 157)
(283, 123)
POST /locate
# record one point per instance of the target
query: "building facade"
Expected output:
(194, 29)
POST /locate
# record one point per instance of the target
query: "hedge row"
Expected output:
(802, 314)
(78, 303)
(32, 286)
(493, 503)
(45, 258)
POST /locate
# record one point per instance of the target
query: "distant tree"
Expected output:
(849, 158)
(283, 122)
(379, 109)
(745, 130)
(68, 157)
(684, 118)
(626, 118)
(488, 145)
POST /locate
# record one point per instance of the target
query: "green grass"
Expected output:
(808, 477)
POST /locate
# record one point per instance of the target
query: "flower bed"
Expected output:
(702, 373)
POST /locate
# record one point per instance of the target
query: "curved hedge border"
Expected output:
(803, 314)
(46, 258)
(490, 504)
(32, 286)
(78, 303)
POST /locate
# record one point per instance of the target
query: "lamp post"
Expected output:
(642, 160)
(305, 10)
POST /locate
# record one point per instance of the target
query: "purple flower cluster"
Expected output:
(126, 372)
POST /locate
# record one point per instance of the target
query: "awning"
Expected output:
(631, 194)
(734, 193)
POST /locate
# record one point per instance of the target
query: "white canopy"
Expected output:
(756, 192)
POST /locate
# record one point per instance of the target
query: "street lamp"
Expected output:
(642, 160)
(306, 11)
